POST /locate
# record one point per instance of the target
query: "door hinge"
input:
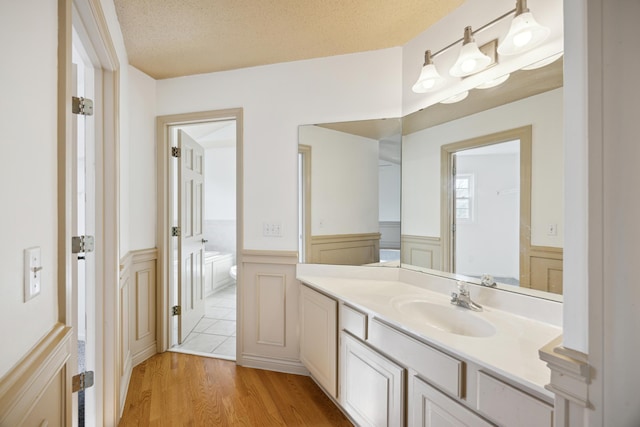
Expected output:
(175, 151)
(453, 228)
(175, 231)
(82, 381)
(176, 310)
(82, 106)
(80, 244)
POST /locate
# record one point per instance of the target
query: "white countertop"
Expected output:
(512, 351)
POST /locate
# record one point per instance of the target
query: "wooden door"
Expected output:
(191, 291)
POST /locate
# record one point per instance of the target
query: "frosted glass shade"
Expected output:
(470, 61)
(429, 79)
(524, 34)
(493, 83)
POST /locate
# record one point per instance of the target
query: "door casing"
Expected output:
(163, 151)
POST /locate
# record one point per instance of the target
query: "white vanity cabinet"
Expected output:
(371, 386)
(319, 337)
(388, 376)
(428, 407)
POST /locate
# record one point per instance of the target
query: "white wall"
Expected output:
(28, 180)
(220, 183)
(141, 161)
(344, 181)
(277, 99)
(491, 242)
(390, 187)
(421, 164)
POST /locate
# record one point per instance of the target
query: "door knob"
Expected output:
(204, 240)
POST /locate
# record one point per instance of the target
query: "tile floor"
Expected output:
(215, 333)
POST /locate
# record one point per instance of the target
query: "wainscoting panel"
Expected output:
(345, 249)
(422, 251)
(545, 269)
(268, 311)
(271, 299)
(137, 312)
(390, 234)
(34, 392)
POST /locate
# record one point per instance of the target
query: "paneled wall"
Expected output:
(34, 392)
(422, 251)
(345, 249)
(137, 312)
(268, 311)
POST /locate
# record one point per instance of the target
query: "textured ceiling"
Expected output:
(171, 38)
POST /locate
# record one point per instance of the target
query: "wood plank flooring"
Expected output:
(173, 389)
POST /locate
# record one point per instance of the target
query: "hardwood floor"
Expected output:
(173, 389)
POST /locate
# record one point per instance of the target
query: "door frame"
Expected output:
(524, 134)
(305, 203)
(107, 83)
(163, 157)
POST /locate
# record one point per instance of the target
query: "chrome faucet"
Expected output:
(463, 299)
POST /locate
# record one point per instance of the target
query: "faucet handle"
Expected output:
(462, 288)
(487, 280)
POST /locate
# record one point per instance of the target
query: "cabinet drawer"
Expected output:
(353, 321)
(441, 369)
(510, 406)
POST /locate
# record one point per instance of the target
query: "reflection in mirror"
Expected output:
(436, 149)
(349, 181)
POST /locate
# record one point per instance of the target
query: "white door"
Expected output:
(83, 266)
(191, 293)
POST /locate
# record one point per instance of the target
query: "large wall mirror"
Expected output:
(481, 187)
(349, 180)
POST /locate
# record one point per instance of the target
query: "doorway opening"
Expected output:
(203, 246)
(486, 200)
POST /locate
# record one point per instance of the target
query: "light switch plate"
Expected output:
(32, 272)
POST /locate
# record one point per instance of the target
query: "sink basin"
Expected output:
(455, 320)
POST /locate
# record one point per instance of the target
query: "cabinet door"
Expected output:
(371, 386)
(430, 408)
(318, 337)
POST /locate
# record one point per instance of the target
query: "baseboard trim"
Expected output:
(21, 388)
(144, 354)
(270, 364)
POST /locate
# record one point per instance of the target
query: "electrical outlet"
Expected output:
(32, 273)
(552, 229)
(272, 229)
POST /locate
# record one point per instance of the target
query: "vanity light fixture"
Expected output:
(524, 34)
(456, 98)
(494, 82)
(429, 76)
(471, 60)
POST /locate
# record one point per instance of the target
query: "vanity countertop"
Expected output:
(512, 351)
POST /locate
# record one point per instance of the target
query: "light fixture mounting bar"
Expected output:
(484, 27)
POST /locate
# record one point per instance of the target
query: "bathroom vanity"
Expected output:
(388, 347)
